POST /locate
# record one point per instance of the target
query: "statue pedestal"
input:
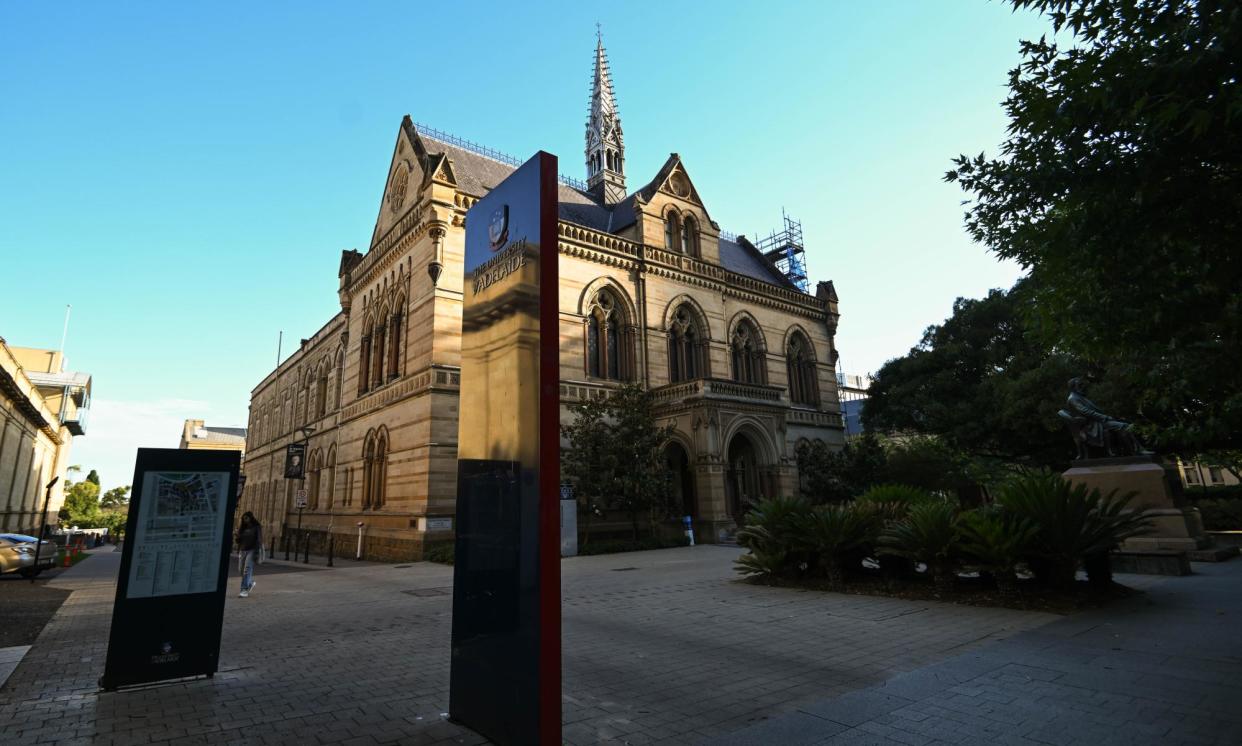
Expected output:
(1175, 525)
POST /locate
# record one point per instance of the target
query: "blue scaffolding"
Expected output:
(785, 250)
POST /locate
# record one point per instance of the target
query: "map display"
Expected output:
(179, 533)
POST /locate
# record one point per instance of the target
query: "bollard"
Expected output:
(306, 548)
(285, 538)
(331, 547)
(272, 554)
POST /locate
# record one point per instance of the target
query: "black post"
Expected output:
(306, 548)
(331, 547)
(47, 500)
(272, 553)
(284, 539)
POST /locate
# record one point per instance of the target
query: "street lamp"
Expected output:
(307, 431)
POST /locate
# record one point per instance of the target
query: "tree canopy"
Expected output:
(986, 384)
(615, 458)
(1119, 187)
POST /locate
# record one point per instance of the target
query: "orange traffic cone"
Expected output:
(67, 563)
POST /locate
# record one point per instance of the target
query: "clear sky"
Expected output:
(186, 175)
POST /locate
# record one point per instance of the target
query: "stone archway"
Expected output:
(684, 499)
(743, 479)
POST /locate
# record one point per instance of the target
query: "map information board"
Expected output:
(177, 538)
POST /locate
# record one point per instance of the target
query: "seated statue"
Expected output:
(1093, 429)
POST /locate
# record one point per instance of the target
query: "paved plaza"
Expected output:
(660, 647)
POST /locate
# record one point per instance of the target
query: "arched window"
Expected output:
(321, 392)
(672, 231)
(340, 374)
(394, 343)
(364, 359)
(315, 467)
(331, 493)
(748, 359)
(686, 347)
(609, 344)
(381, 339)
(800, 365)
(374, 471)
(689, 237)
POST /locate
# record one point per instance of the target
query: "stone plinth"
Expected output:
(1175, 525)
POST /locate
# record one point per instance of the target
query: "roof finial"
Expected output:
(599, 34)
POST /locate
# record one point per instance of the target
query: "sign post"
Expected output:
(174, 567)
(505, 679)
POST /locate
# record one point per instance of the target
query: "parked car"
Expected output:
(17, 554)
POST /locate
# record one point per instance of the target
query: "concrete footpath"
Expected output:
(1163, 668)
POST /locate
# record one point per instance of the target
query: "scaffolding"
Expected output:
(785, 250)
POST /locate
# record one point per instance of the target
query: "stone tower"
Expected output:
(605, 148)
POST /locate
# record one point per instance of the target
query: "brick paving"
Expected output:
(659, 647)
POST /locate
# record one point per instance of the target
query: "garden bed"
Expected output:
(969, 591)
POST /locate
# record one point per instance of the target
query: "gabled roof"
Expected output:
(476, 174)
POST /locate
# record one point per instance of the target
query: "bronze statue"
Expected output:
(1093, 429)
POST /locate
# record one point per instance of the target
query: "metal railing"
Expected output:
(487, 152)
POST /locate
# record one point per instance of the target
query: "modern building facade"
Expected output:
(740, 358)
(195, 435)
(42, 407)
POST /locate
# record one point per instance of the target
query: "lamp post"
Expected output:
(307, 431)
(47, 500)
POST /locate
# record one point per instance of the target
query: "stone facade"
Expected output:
(741, 360)
(41, 409)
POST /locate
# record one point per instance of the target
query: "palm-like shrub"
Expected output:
(1071, 521)
(832, 535)
(996, 541)
(894, 499)
(928, 534)
(773, 534)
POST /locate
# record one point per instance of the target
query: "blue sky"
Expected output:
(186, 175)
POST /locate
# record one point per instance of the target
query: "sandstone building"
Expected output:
(42, 407)
(741, 359)
(196, 436)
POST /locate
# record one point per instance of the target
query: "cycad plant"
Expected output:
(773, 537)
(995, 541)
(1071, 522)
(889, 503)
(927, 534)
(832, 535)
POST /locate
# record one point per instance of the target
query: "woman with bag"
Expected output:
(250, 543)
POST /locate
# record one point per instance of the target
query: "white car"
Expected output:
(17, 554)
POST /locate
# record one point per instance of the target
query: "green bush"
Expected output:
(928, 534)
(774, 535)
(895, 498)
(1221, 515)
(442, 553)
(832, 535)
(1072, 522)
(996, 541)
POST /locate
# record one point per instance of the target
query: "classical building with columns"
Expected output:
(740, 356)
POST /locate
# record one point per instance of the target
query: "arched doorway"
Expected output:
(683, 498)
(743, 484)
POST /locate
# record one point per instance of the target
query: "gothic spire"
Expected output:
(605, 147)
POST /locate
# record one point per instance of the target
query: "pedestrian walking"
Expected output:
(250, 543)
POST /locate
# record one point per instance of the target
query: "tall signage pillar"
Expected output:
(506, 659)
(174, 567)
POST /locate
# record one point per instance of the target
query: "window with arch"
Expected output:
(380, 346)
(687, 346)
(374, 471)
(689, 237)
(748, 360)
(672, 230)
(364, 358)
(321, 392)
(800, 365)
(340, 374)
(330, 497)
(314, 470)
(609, 339)
(394, 343)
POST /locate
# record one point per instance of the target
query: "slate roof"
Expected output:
(239, 432)
(477, 174)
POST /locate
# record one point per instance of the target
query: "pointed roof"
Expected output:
(603, 98)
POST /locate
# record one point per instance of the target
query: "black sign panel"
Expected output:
(170, 594)
(506, 663)
(295, 461)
